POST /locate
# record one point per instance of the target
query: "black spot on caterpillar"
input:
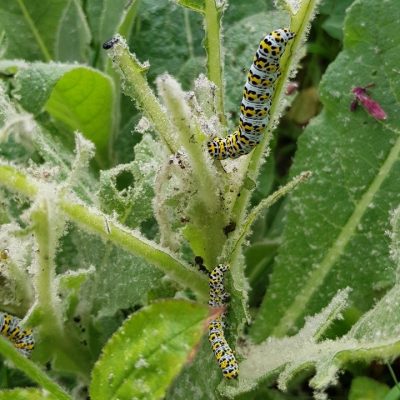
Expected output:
(256, 102)
(222, 351)
(22, 339)
(110, 43)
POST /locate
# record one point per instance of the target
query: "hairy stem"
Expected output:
(299, 25)
(233, 246)
(95, 221)
(32, 370)
(47, 231)
(137, 88)
(213, 40)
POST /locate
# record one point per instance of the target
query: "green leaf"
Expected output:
(70, 285)
(31, 27)
(335, 12)
(128, 190)
(79, 96)
(374, 337)
(239, 10)
(121, 280)
(394, 393)
(108, 17)
(73, 24)
(199, 379)
(178, 36)
(146, 353)
(83, 99)
(363, 388)
(195, 5)
(34, 83)
(335, 232)
(104, 16)
(25, 394)
(31, 370)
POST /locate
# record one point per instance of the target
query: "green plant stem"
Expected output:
(136, 87)
(22, 286)
(299, 25)
(96, 222)
(124, 29)
(47, 230)
(207, 203)
(128, 18)
(213, 40)
(32, 370)
(232, 249)
(189, 134)
(17, 181)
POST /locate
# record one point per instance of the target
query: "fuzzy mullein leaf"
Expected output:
(181, 39)
(335, 231)
(70, 284)
(199, 379)
(32, 31)
(80, 97)
(395, 237)
(73, 24)
(107, 17)
(128, 189)
(142, 358)
(121, 280)
(374, 337)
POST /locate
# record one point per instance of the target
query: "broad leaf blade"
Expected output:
(83, 99)
(374, 337)
(73, 22)
(31, 27)
(147, 352)
(335, 232)
(79, 96)
(199, 379)
(364, 388)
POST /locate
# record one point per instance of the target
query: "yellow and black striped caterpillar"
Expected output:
(222, 351)
(22, 339)
(256, 101)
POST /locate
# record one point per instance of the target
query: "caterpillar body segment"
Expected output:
(256, 101)
(22, 339)
(222, 351)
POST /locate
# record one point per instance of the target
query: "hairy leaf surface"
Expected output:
(335, 231)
